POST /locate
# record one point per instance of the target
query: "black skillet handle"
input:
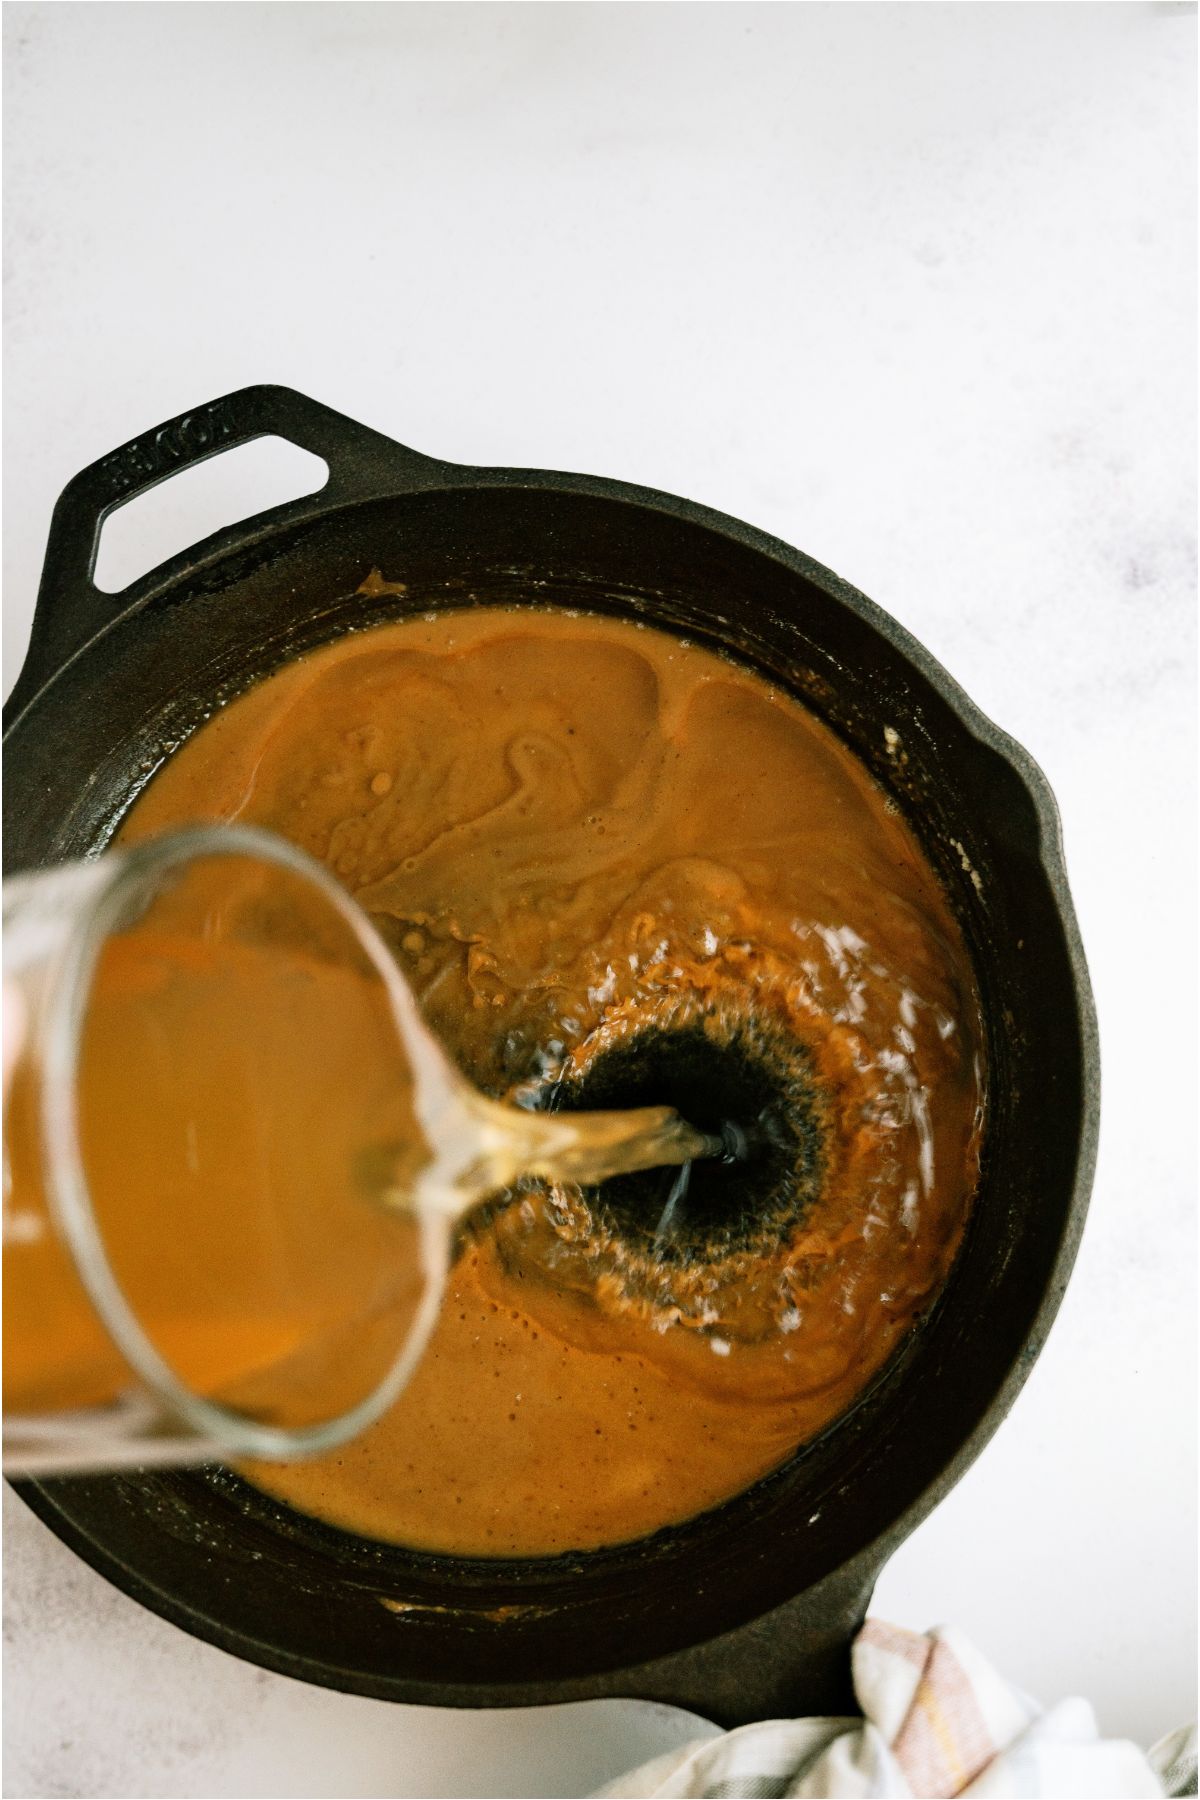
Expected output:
(71, 610)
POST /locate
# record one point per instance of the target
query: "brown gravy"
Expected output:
(580, 834)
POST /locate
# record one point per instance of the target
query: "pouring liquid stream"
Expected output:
(493, 1146)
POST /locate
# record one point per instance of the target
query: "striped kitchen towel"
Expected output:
(937, 1720)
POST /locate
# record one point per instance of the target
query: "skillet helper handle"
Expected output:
(71, 610)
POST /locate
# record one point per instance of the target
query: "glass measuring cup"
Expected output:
(195, 1265)
(235, 1159)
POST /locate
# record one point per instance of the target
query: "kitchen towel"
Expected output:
(937, 1720)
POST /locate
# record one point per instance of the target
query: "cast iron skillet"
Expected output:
(748, 1610)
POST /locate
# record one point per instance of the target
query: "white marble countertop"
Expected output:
(910, 286)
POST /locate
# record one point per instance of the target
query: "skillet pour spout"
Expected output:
(748, 1610)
